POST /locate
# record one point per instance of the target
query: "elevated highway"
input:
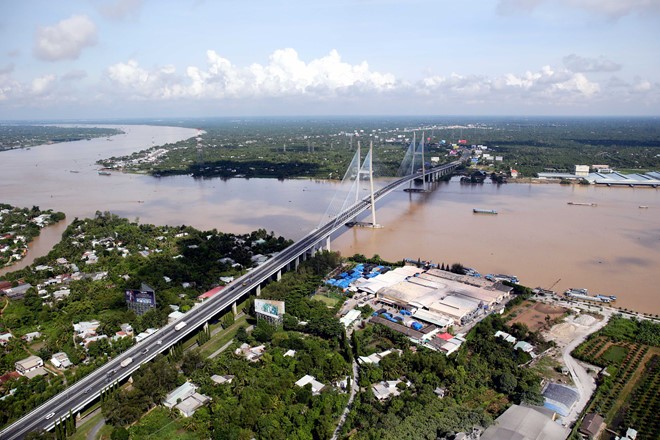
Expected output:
(79, 395)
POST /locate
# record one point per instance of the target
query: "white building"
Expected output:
(316, 385)
(28, 364)
(386, 389)
(61, 360)
(582, 170)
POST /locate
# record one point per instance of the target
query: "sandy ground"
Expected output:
(533, 316)
(568, 335)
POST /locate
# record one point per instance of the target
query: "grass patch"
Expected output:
(85, 428)
(220, 339)
(328, 300)
(158, 425)
(615, 354)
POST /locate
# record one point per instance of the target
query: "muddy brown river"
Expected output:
(612, 248)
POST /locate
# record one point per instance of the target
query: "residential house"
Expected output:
(61, 360)
(186, 399)
(375, 358)
(253, 354)
(592, 425)
(179, 394)
(85, 329)
(30, 363)
(317, 386)
(29, 337)
(386, 389)
(220, 380)
(188, 406)
(5, 337)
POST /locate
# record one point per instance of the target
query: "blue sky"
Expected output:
(149, 58)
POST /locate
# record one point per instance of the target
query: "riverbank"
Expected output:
(611, 249)
(18, 228)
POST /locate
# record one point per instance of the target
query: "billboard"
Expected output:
(273, 309)
(140, 297)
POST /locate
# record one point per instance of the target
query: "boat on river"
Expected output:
(584, 295)
(484, 211)
(105, 173)
(581, 204)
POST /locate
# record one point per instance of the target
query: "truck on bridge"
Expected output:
(126, 362)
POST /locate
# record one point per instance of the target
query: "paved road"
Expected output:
(354, 390)
(88, 389)
(91, 435)
(583, 381)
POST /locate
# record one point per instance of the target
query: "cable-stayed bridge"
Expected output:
(82, 393)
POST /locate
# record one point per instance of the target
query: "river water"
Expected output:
(612, 248)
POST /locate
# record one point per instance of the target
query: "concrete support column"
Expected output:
(206, 326)
(259, 290)
(279, 275)
(304, 256)
(233, 309)
(296, 263)
(327, 243)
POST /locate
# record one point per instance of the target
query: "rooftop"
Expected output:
(307, 379)
(524, 423)
(560, 398)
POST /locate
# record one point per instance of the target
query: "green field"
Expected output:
(615, 354)
(158, 425)
(329, 300)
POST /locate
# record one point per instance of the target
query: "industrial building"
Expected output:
(525, 423)
(560, 398)
(436, 296)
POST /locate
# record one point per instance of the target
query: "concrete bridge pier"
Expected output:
(258, 290)
(279, 275)
(296, 263)
(327, 244)
(206, 326)
(234, 309)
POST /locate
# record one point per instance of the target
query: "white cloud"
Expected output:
(120, 9)
(43, 84)
(285, 74)
(576, 63)
(65, 40)
(613, 9)
(545, 87)
(285, 84)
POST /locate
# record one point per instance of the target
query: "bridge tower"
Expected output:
(371, 186)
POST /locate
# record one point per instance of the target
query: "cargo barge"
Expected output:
(581, 204)
(584, 295)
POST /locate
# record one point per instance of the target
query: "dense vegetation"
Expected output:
(625, 398)
(128, 254)
(17, 136)
(19, 226)
(261, 401)
(280, 148)
(283, 148)
(479, 384)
